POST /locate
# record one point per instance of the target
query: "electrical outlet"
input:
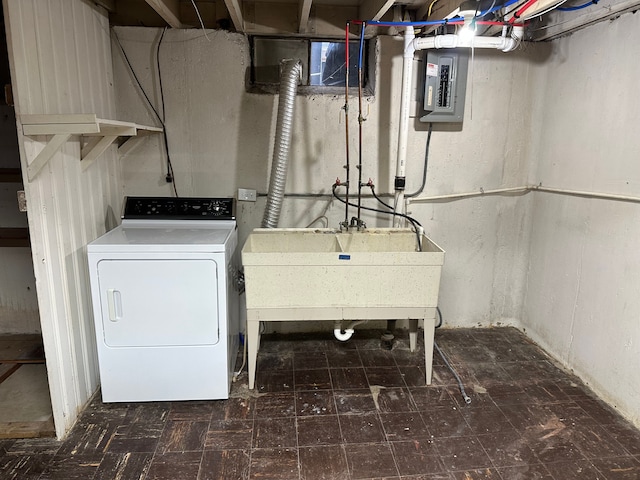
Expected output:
(22, 201)
(246, 195)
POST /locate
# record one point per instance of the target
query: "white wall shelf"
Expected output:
(61, 127)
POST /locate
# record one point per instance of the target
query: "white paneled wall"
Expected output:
(61, 63)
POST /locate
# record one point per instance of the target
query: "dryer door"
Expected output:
(147, 303)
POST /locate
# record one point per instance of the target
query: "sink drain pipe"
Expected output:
(347, 333)
(289, 79)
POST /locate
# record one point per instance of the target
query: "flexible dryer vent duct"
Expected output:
(289, 78)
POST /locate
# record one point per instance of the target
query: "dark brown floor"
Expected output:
(327, 410)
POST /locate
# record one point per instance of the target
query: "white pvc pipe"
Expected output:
(343, 337)
(504, 43)
(347, 333)
(524, 189)
(581, 193)
(405, 105)
(411, 45)
(479, 193)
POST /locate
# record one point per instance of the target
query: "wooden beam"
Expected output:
(423, 10)
(566, 22)
(108, 5)
(304, 9)
(169, 10)
(374, 9)
(235, 12)
(7, 369)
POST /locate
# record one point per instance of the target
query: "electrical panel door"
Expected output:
(445, 84)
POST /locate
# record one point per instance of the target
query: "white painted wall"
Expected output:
(221, 138)
(61, 63)
(582, 301)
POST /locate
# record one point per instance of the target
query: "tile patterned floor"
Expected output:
(329, 410)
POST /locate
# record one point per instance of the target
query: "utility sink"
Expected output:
(322, 268)
(325, 274)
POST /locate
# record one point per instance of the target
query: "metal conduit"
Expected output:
(289, 78)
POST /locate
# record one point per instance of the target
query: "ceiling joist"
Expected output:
(169, 10)
(108, 5)
(235, 12)
(567, 22)
(423, 11)
(374, 9)
(326, 18)
(304, 10)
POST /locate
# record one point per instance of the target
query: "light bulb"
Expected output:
(468, 11)
(468, 30)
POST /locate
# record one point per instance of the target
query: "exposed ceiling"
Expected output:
(327, 18)
(322, 18)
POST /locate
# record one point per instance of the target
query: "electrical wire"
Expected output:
(577, 7)
(373, 192)
(552, 7)
(126, 58)
(426, 164)
(412, 220)
(170, 177)
(200, 18)
(149, 103)
(244, 361)
(520, 10)
(164, 30)
(431, 7)
(466, 397)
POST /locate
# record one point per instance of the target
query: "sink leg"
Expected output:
(413, 334)
(253, 337)
(429, 332)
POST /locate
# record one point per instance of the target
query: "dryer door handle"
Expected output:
(114, 303)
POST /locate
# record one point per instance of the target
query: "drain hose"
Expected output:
(289, 78)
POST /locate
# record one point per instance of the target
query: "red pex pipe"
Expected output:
(519, 13)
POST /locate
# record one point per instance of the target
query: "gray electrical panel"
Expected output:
(445, 85)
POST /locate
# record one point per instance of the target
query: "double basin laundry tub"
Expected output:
(325, 274)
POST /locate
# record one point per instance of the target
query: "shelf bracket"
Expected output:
(52, 147)
(94, 148)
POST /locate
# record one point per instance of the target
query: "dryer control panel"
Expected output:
(185, 208)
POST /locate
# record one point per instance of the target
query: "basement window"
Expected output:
(323, 64)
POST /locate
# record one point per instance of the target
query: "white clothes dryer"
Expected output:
(165, 300)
